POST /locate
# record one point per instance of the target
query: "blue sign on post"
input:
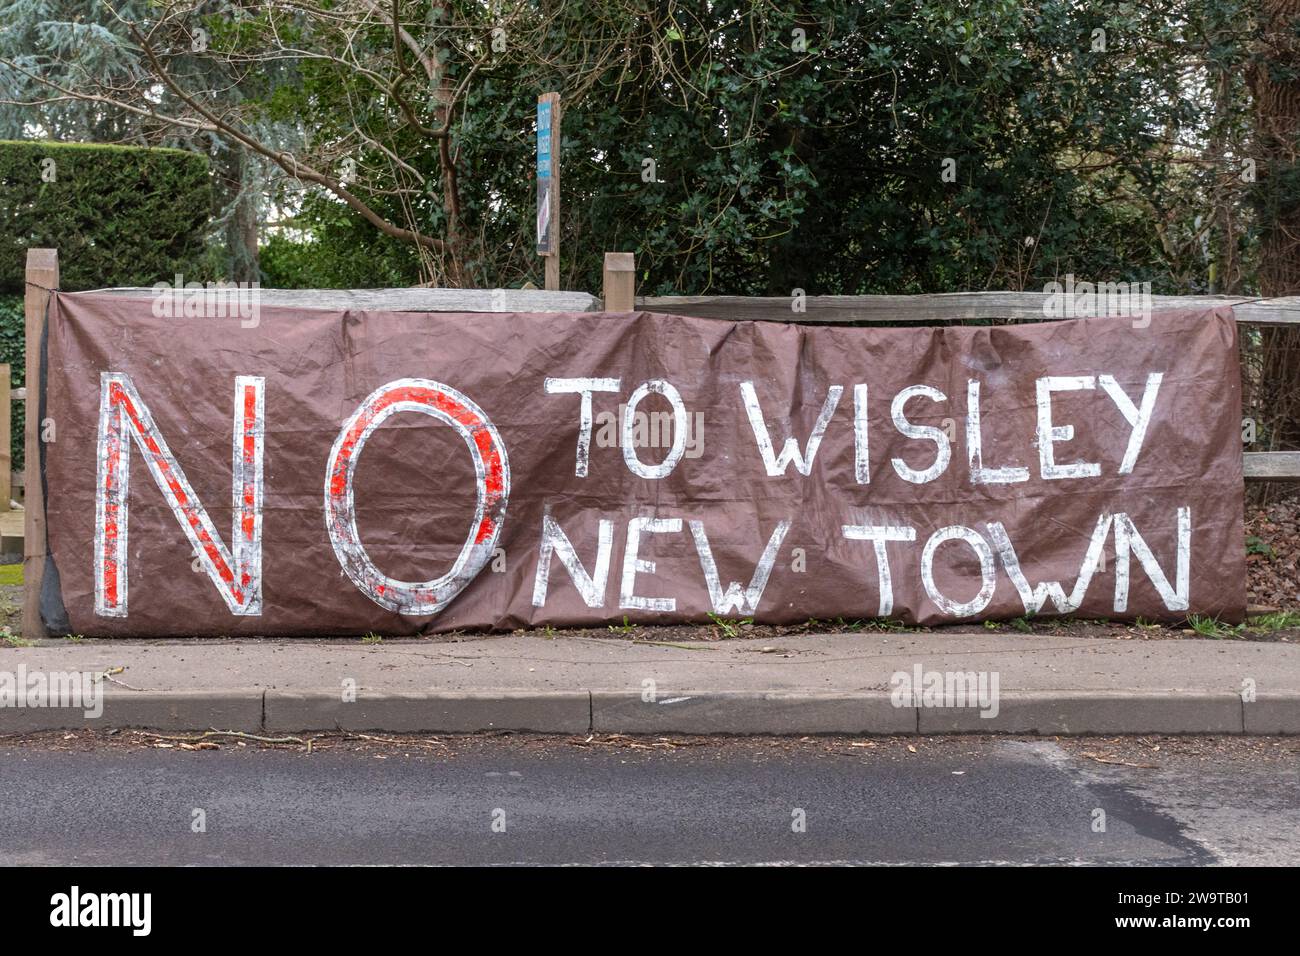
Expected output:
(544, 178)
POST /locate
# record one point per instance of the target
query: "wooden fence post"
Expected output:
(42, 277)
(620, 282)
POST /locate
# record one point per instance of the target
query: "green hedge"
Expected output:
(12, 339)
(119, 215)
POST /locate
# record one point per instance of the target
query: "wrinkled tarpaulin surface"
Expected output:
(415, 490)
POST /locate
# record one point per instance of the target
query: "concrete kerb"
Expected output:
(171, 710)
(581, 712)
(750, 713)
(556, 712)
(1094, 712)
(1272, 714)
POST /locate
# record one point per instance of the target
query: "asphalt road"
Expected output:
(566, 800)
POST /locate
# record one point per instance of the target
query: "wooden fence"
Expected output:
(618, 296)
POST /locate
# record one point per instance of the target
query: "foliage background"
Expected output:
(820, 168)
(118, 215)
(12, 341)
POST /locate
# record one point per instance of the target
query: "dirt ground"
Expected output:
(1273, 552)
(1149, 752)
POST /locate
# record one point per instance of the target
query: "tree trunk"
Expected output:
(237, 199)
(1275, 84)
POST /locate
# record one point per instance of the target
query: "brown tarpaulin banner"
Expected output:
(306, 471)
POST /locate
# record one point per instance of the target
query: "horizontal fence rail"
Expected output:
(939, 307)
(1272, 465)
(412, 300)
(943, 307)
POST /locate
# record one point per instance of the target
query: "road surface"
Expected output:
(78, 799)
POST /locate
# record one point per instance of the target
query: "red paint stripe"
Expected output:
(250, 456)
(112, 458)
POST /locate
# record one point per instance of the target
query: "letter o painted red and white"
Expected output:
(492, 491)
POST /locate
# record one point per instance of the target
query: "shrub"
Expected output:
(119, 215)
(12, 337)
